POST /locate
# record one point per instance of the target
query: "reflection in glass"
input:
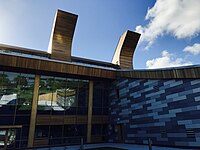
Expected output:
(9, 89)
(26, 83)
(66, 97)
(16, 92)
(7, 138)
(45, 93)
(42, 131)
(16, 89)
(62, 95)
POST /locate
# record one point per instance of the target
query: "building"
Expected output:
(55, 99)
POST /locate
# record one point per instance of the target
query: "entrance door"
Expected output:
(121, 133)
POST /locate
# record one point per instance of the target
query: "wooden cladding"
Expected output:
(41, 142)
(24, 63)
(58, 67)
(125, 49)
(69, 119)
(60, 119)
(100, 119)
(54, 67)
(179, 73)
(96, 139)
(62, 35)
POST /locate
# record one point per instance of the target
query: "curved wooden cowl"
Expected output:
(125, 49)
(62, 35)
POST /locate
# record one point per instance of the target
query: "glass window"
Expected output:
(81, 130)
(59, 92)
(57, 110)
(97, 111)
(106, 98)
(9, 89)
(105, 129)
(82, 111)
(26, 84)
(45, 95)
(97, 97)
(1, 81)
(10, 136)
(83, 93)
(7, 109)
(42, 131)
(105, 111)
(100, 98)
(69, 130)
(22, 120)
(70, 111)
(71, 93)
(62, 95)
(56, 131)
(96, 129)
(25, 131)
(6, 120)
(16, 91)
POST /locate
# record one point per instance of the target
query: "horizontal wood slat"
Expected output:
(56, 67)
(60, 119)
(24, 63)
(176, 73)
(96, 139)
(41, 142)
(99, 119)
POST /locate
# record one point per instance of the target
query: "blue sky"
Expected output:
(170, 30)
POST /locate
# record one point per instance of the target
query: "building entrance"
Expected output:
(120, 133)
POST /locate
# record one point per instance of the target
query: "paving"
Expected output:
(114, 145)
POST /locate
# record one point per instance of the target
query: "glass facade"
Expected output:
(62, 110)
(100, 108)
(61, 102)
(16, 91)
(63, 96)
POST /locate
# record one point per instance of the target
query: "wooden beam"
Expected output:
(11, 127)
(33, 111)
(90, 101)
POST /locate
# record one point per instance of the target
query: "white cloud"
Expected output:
(194, 49)
(166, 60)
(179, 18)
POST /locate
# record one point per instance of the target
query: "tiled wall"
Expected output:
(167, 111)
